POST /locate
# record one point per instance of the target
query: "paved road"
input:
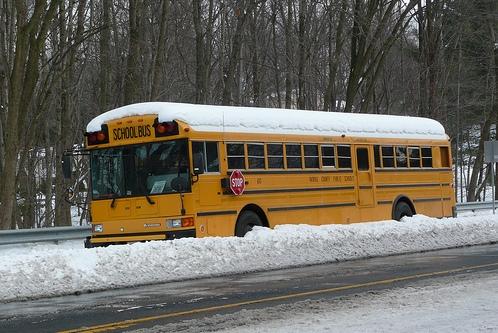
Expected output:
(141, 307)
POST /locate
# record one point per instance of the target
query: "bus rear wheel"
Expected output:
(402, 209)
(245, 223)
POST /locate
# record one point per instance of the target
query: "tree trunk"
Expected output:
(160, 50)
(330, 98)
(200, 70)
(301, 101)
(31, 34)
(288, 55)
(133, 82)
(234, 58)
(105, 57)
(478, 163)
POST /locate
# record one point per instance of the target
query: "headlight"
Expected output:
(176, 223)
(98, 228)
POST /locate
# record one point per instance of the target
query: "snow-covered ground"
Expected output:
(50, 270)
(457, 304)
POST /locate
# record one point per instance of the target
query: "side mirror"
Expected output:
(198, 164)
(66, 166)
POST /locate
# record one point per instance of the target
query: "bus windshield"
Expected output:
(147, 169)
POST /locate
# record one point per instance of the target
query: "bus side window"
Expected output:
(401, 159)
(293, 153)
(344, 156)
(210, 151)
(362, 159)
(427, 157)
(414, 157)
(388, 156)
(275, 152)
(445, 157)
(311, 156)
(235, 156)
(328, 156)
(377, 156)
(256, 155)
(212, 160)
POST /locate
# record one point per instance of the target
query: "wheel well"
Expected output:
(256, 209)
(405, 199)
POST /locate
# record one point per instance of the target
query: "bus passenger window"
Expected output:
(256, 155)
(377, 156)
(209, 150)
(311, 156)
(293, 153)
(427, 157)
(344, 156)
(235, 156)
(362, 159)
(388, 156)
(275, 153)
(401, 159)
(414, 157)
(212, 160)
(328, 156)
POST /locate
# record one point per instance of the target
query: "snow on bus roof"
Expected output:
(211, 118)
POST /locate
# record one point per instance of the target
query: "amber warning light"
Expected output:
(97, 138)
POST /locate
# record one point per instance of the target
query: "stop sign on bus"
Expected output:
(237, 182)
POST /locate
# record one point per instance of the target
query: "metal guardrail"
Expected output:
(43, 235)
(478, 205)
(68, 233)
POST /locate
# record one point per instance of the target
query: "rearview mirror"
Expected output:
(198, 164)
(66, 166)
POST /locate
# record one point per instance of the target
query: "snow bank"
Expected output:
(264, 120)
(64, 271)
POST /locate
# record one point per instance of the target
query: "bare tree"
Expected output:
(32, 28)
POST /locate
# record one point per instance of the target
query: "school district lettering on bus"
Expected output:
(173, 170)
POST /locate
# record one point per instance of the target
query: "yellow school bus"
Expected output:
(170, 170)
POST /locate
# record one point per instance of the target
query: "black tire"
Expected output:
(401, 210)
(247, 220)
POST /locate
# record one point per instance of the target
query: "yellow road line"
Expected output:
(132, 322)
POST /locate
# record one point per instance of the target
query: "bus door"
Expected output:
(208, 184)
(364, 177)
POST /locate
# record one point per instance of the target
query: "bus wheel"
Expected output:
(247, 220)
(402, 209)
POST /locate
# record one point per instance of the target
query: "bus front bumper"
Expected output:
(97, 240)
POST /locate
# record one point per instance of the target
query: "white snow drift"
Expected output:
(216, 118)
(54, 271)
